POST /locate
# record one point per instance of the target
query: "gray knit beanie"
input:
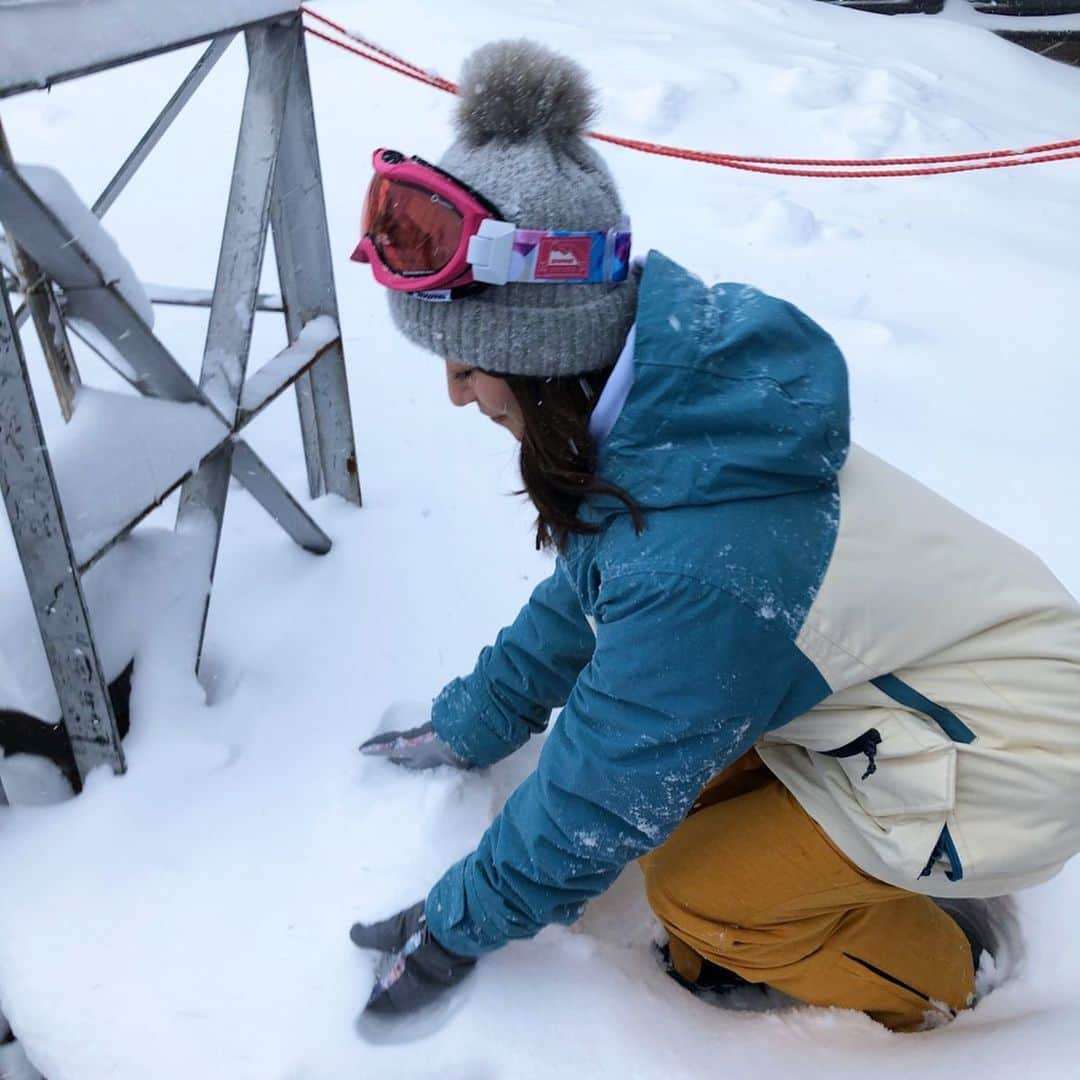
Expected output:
(520, 120)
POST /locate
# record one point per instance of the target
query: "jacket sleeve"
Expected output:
(529, 671)
(684, 679)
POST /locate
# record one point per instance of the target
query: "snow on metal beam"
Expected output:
(93, 455)
(279, 373)
(184, 296)
(112, 464)
(47, 41)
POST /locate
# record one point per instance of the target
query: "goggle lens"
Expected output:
(414, 230)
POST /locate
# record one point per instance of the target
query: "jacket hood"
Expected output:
(736, 395)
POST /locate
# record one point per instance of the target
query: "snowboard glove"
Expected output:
(417, 748)
(414, 969)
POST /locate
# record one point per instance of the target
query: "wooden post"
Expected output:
(48, 319)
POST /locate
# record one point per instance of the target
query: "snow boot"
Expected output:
(712, 979)
(989, 924)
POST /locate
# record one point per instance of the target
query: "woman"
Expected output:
(806, 692)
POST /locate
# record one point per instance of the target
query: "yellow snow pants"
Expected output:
(750, 882)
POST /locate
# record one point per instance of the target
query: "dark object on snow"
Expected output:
(1061, 45)
(21, 733)
(893, 7)
(990, 925)
(1027, 7)
(417, 748)
(415, 969)
(712, 979)
(986, 7)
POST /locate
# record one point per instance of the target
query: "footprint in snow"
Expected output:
(813, 88)
(657, 108)
(783, 223)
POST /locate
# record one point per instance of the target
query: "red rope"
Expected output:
(424, 78)
(970, 162)
(836, 168)
(658, 148)
(400, 64)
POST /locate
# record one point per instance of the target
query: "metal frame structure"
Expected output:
(276, 184)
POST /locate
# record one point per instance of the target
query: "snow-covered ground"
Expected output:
(191, 918)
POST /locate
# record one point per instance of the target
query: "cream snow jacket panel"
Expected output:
(956, 734)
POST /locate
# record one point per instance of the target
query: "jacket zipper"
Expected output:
(867, 744)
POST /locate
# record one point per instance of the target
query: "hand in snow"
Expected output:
(416, 747)
(414, 969)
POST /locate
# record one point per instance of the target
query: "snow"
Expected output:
(191, 918)
(14, 1064)
(54, 190)
(43, 41)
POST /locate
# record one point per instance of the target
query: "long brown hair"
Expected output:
(558, 459)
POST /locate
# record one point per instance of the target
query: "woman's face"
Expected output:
(490, 394)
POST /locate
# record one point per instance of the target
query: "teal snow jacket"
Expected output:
(730, 440)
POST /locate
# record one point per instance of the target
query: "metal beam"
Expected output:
(275, 499)
(306, 274)
(7, 260)
(200, 517)
(140, 357)
(32, 224)
(182, 296)
(86, 36)
(271, 53)
(44, 546)
(135, 352)
(228, 337)
(282, 371)
(194, 79)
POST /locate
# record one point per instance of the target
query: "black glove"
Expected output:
(415, 969)
(417, 748)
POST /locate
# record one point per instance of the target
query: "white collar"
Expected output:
(615, 393)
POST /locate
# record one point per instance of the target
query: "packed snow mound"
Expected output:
(191, 918)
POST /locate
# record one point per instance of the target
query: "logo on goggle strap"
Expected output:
(564, 257)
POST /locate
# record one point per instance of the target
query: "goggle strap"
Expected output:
(500, 254)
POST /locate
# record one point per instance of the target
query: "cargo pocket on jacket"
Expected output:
(900, 766)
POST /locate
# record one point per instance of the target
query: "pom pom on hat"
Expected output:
(517, 89)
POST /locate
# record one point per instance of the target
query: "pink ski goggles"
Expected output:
(426, 232)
